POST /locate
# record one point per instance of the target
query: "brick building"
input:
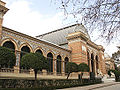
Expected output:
(68, 44)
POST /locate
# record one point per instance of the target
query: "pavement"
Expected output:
(106, 82)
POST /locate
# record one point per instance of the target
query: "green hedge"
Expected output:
(44, 84)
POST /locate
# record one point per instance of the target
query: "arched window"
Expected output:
(39, 51)
(10, 45)
(92, 62)
(88, 58)
(66, 61)
(59, 64)
(24, 50)
(97, 65)
(50, 59)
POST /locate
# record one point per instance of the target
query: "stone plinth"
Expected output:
(44, 72)
(31, 72)
(16, 69)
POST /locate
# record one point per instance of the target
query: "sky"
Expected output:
(36, 17)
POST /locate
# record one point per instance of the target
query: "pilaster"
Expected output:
(3, 10)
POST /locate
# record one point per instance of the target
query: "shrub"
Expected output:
(44, 84)
(7, 58)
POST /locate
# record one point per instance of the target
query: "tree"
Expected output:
(71, 67)
(7, 58)
(33, 61)
(45, 62)
(103, 15)
(109, 73)
(83, 67)
(117, 75)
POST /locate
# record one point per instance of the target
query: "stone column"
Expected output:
(17, 65)
(63, 68)
(95, 66)
(54, 67)
(90, 63)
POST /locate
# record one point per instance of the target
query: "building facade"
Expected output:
(68, 44)
(110, 64)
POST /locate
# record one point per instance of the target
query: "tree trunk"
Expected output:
(35, 83)
(81, 77)
(35, 71)
(68, 75)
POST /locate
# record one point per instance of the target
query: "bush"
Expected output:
(7, 58)
(44, 84)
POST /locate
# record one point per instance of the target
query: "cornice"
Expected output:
(77, 35)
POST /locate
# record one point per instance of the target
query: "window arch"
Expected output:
(10, 45)
(24, 50)
(39, 51)
(88, 58)
(66, 61)
(92, 62)
(50, 59)
(59, 64)
(97, 63)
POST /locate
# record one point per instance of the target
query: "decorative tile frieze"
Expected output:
(34, 44)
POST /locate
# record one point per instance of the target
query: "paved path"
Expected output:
(113, 87)
(91, 87)
(107, 82)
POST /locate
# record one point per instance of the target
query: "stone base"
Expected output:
(16, 69)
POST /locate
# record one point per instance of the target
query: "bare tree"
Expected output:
(101, 15)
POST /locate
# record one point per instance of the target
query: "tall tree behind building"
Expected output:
(101, 15)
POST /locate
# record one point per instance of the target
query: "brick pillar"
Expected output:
(77, 44)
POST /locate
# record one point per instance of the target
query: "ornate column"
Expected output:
(54, 67)
(17, 65)
(17, 58)
(63, 68)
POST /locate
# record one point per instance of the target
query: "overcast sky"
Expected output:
(36, 17)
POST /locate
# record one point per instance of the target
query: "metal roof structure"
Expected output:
(59, 36)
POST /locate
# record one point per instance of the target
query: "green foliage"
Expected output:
(7, 58)
(44, 61)
(34, 61)
(43, 84)
(71, 67)
(117, 75)
(30, 60)
(109, 73)
(83, 67)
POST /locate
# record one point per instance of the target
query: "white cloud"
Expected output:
(21, 18)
